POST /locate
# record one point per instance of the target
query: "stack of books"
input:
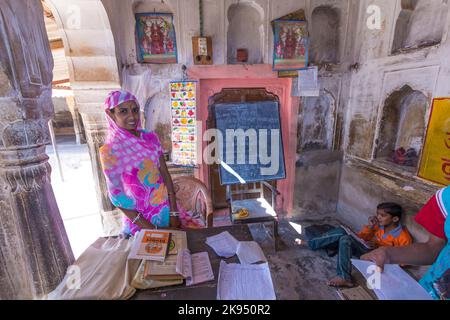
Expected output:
(153, 271)
(151, 245)
(167, 261)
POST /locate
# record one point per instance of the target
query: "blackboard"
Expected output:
(251, 157)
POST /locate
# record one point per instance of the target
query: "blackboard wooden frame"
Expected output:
(224, 176)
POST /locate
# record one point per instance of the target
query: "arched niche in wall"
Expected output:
(158, 118)
(420, 23)
(316, 123)
(324, 35)
(402, 124)
(246, 31)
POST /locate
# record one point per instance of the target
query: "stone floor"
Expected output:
(298, 273)
(75, 193)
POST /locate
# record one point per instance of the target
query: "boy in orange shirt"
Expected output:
(384, 229)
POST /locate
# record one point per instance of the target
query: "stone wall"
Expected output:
(366, 180)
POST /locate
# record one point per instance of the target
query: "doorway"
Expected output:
(230, 95)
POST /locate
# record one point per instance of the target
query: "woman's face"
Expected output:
(126, 115)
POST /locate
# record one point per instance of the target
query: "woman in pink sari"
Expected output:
(136, 174)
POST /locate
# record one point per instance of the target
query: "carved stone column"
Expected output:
(76, 117)
(34, 248)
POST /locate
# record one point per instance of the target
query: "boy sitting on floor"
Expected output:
(384, 229)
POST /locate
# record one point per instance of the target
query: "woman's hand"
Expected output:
(175, 222)
(144, 224)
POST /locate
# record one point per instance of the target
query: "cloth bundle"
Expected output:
(102, 272)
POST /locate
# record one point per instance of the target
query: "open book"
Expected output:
(195, 268)
(150, 245)
(355, 236)
(391, 284)
(166, 270)
(179, 264)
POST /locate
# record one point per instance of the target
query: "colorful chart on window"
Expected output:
(184, 135)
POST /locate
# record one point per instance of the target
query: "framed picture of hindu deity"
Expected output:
(155, 37)
(290, 49)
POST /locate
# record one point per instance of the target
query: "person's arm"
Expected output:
(415, 254)
(174, 221)
(367, 233)
(141, 221)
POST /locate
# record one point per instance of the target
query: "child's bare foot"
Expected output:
(340, 282)
(301, 242)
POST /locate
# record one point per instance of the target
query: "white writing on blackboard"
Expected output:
(244, 147)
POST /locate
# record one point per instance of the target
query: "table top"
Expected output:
(197, 243)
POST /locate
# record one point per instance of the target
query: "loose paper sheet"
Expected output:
(394, 284)
(224, 244)
(196, 268)
(245, 282)
(308, 83)
(250, 252)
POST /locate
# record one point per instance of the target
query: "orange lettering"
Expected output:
(447, 140)
(446, 168)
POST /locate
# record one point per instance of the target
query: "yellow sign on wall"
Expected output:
(435, 162)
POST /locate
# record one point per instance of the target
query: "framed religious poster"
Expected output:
(290, 50)
(184, 131)
(155, 37)
(435, 161)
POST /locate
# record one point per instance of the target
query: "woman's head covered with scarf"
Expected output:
(122, 113)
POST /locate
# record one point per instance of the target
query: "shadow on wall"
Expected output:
(158, 118)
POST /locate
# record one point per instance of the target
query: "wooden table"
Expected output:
(197, 243)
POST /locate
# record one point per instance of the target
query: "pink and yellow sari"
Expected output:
(132, 171)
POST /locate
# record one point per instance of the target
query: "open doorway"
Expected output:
(71, 177)
(230, 95)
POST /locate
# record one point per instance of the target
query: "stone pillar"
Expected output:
(77, 123)
(34, 248)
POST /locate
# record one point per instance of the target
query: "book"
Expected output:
(195, 268)
(164, 270)
(150, 245)
(140, 282)
(355, 236)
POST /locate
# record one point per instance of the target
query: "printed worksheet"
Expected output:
(245, 282)
(250, 252)
(224, 244)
